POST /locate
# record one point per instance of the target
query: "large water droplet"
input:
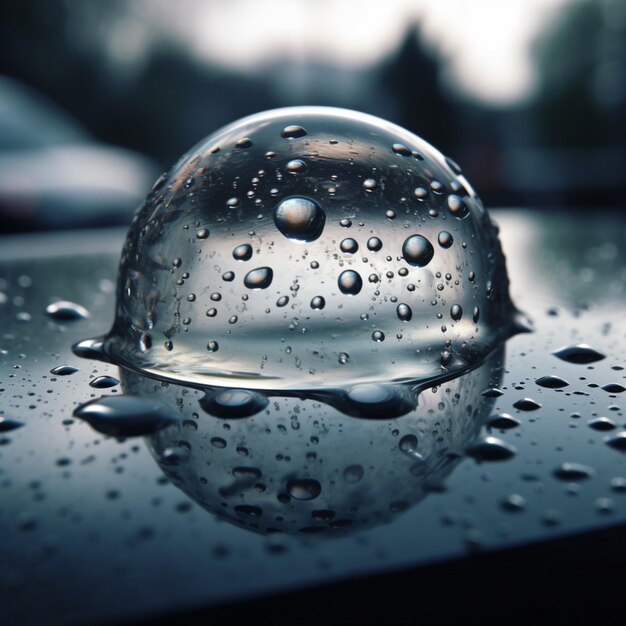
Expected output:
(233, 403)
(491, 449)
(303, 488)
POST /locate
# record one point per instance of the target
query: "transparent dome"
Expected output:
(310, 248)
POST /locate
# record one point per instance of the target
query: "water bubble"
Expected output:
(295, 251)
(300, 219)
(408, 443)
(212, 346)
(350, 282)
(417, 251)
(401, 149)
(580, 353)
(126, 415)
(457, 207)
(203, 233)
(66, 311)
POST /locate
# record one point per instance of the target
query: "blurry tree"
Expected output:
(581, 60)
(412, 79)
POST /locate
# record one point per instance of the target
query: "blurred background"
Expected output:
(97, 98)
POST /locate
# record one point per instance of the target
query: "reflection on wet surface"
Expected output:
(73, 497)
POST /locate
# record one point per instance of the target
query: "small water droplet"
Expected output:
(350, 282)
(404, 312)
(233, 403)
(299, 219)
(104, 382)
(259, 278)
(417, 251)
(503, 421)
(303, 489)
(491, 449)
(66, 311)
(318, 303)
(445, 239)
(551, 382)
(243, 252)
(580, 353)
(126, 415)
(527, 404)
(292, 131)
(64, 370)
(573, 471)
(349, 245)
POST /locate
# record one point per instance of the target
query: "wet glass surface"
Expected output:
(530, 461)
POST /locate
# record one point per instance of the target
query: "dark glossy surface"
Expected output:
(92, 531)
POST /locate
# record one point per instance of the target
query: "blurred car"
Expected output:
(54, 175)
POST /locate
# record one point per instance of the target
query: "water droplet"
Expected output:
(617, 441)
(292, 131)
(445, 239)
(580, 353)
(233, 403)
(303, 488)
(456, 312)
(203, 233)
(349, 245)
(300, 219)
(296, 166)
(401, 149)
(212, 346)
(7, 424)
(259, 278)
(514, 503)
(503, 421)
(573, 471)
(353, 474)
(350, 282)
(404, 312)
(491, 449)
(243, 252)
(378, 336)
(602, 424)
(417, 251)
(126, 415)
(613, 388)
(318, 303)
(527, 404)
(457, 207)
(369, 184)
(374, 244)
(551, 382)
(64, 370)
(104, 382)
(408, 443)
(66, 311)
(242, 143)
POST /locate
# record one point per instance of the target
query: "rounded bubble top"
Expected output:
(310, 248)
